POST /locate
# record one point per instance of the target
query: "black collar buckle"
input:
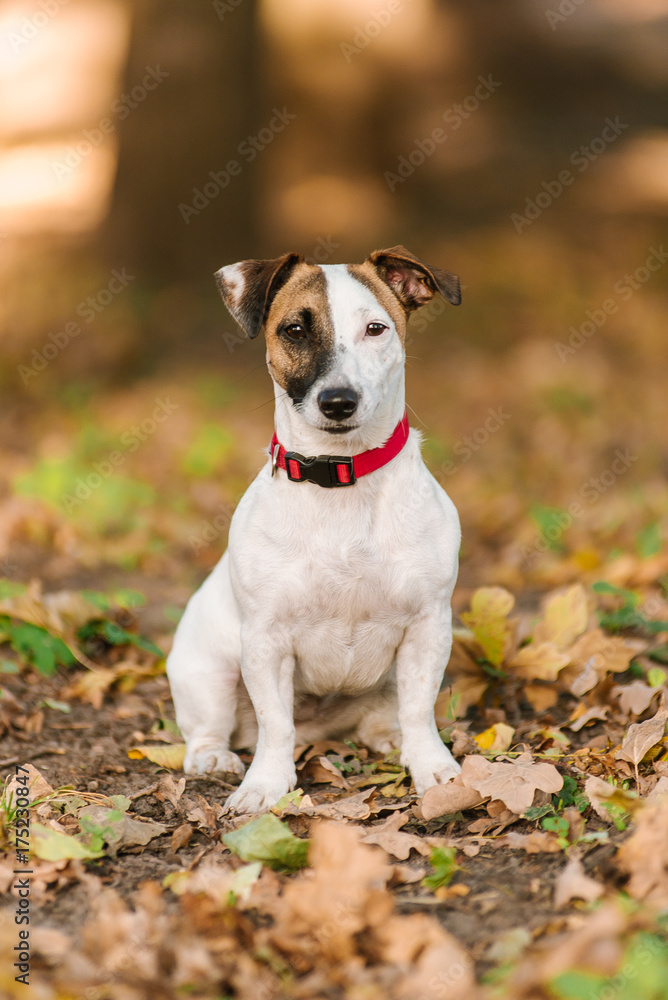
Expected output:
(327, 471)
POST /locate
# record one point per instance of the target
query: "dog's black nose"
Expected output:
(337, 404)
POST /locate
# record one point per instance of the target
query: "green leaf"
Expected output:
(268, 840)
(8, 667)
(629, 596)
(443, 862)
(551, 523)
(578, 985)
(59, 706)
(37, 647)
(656, 677)
(648, 541)
(8, 589)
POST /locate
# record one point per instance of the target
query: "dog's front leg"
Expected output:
(268, 671)
(421, 661)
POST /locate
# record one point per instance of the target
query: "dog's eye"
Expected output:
(295, 331)
(375, 329)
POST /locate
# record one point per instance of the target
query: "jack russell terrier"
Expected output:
(331, 606)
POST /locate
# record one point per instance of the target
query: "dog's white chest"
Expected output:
(337, 580)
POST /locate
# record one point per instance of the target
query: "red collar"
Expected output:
(337, 470)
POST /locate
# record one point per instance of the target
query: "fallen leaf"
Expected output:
(393, 840)
(172, 756)
(516, 782)
(488, 620)
(582, 716)
(644, 856)
(540, 698)
(603, 653)
(536, 842)
(634, 698)
(268, 840)
(573, 883)
(539, 661)
(120, 830)
(600, 792)
(181, 837)
(497, 738)
(456, 794)
(351, 807)
(50, 845)
(641, 737)
(564, 618)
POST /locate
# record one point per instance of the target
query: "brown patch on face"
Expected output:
(368, 276)
(296, 362)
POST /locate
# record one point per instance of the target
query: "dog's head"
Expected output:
(335, 333)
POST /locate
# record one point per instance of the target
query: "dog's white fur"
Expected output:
(342, 590)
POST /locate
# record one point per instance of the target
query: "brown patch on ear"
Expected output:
(248, 288)
(413, 282)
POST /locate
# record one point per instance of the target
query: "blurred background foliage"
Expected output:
(145, 144)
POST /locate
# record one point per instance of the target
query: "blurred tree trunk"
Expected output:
(189, 126)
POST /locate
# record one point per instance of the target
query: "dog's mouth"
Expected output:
(341, 430)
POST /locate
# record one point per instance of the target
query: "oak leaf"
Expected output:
(515, 783)
(488, 620)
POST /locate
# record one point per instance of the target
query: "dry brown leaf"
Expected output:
(540, 698)
(536, 842)
(600, 792)
(634, 698)
(603, 653)
(515, 783)
(641, 737)
(181, 836)
(539, 661)
(582, 716)
(393, 840)
(457, 794)
(356, 806)
(564, 618)
(573, 883)
(644, 856)
(321, 771)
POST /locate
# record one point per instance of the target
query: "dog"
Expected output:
(331, 605)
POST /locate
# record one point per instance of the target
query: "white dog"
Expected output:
(332, 601)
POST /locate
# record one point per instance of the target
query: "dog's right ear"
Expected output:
(249, 287)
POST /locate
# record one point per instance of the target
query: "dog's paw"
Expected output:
(438, 771)
(210, 759)
(256, 796)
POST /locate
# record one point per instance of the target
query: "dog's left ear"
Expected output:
(413, 282)
(248, 288)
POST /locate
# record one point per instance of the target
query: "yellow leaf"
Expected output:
(564, 619)
(50, 845)
(488, 620)
(539, 661)
(497, 738)
(166, 756)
